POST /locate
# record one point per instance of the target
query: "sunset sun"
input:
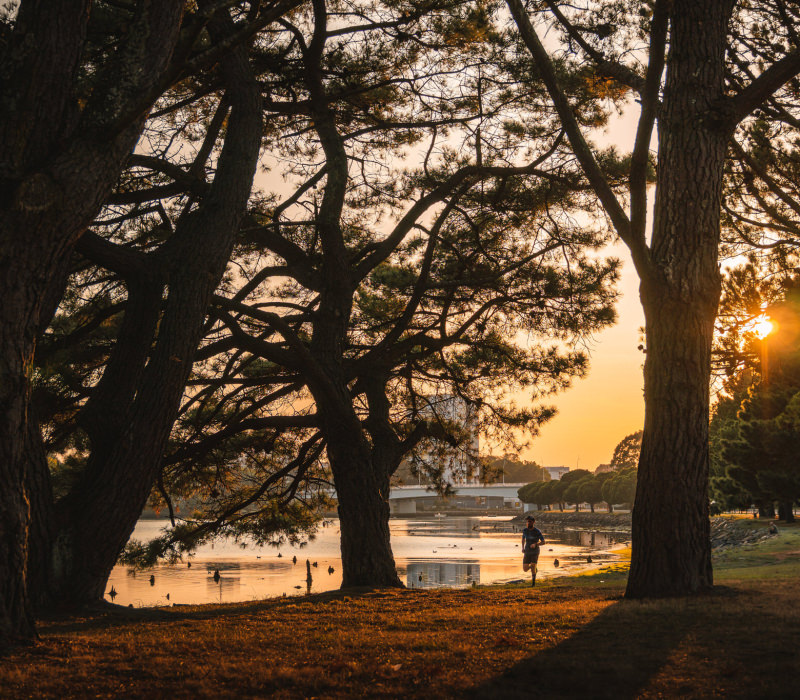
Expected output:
(763, 326)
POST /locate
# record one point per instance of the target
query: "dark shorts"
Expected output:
(531, 556)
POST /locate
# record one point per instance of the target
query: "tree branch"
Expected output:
(739, 106)
(644, 130)
(601, 187)
(611, 69)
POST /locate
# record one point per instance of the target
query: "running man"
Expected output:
(532, 537)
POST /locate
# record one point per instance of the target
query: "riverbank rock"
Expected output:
(730, 532)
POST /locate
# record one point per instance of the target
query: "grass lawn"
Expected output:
(568, 638)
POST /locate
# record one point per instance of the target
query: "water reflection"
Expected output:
(435, 574)
(223, 579)
(481, 527)
(584, 538)
(444, 551)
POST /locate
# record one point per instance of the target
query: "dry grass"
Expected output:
(575, 639)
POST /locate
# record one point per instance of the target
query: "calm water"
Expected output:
(429, 553)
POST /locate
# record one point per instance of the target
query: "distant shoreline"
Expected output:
(582, 519)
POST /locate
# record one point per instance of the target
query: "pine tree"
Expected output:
(697, 85)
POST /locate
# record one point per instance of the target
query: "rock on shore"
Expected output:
(732, 532)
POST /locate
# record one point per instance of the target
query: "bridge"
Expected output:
(403, 499)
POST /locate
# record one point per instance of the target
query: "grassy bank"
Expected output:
(569, 638)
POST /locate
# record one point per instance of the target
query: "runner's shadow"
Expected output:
(614, 656)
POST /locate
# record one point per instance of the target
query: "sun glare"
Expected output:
(762, 326)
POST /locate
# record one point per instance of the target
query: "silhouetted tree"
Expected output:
(590, 490)
(72, 112)
(697, 84)
(626, 453)
(402, 293)
(110, 72)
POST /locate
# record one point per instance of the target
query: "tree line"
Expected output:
(582, 486)
(755, 428)
(175, 324)
(615, 485)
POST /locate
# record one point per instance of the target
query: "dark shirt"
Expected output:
(531, 536)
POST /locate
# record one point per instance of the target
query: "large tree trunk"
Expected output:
(30, 267)
(130, 416)
(56, 168)
(367, 558)
(671, 553)
(786, 511)
(361, 479)
(15, 615)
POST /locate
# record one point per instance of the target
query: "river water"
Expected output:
(429, 553)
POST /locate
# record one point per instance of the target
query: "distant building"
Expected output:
(556, 472)
(602, 468)
(458, 462)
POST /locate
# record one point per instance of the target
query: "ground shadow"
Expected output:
(733, 642)
(614, 656)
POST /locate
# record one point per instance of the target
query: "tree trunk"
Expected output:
(57, 165)
(16, 620)
(785, 511)
(367, 558)
(131, 416)
(671, 552)
(28, 266)
(670, 520)
(362, 487)
(766, 509)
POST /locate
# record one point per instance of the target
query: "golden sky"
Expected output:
(601, 409)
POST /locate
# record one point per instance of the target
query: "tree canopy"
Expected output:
(626, 453)
(754, 428)
(441, 261)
